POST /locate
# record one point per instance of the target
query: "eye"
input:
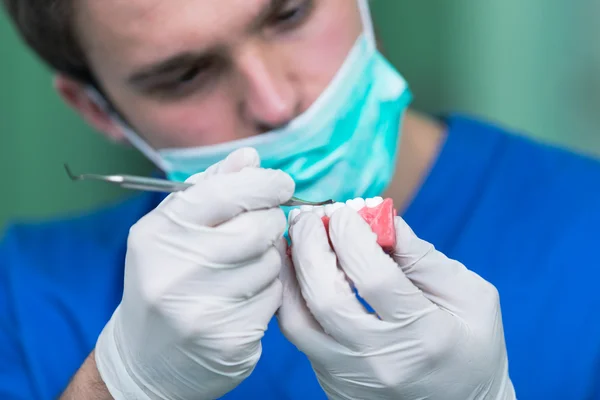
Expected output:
(288, 15)
(187, 81)
(294, 14)
(200, 71)
(189, 75)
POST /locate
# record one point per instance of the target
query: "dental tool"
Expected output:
(163, 185)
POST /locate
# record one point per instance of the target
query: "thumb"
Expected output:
(375, 275)
(444, 281)
(295, 320)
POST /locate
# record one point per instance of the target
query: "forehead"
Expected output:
(142, 29)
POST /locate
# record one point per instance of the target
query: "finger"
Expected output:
(445, 282)
(375, 275)
(235, 242)
(262, 307)
(239, 281)
(234, 162)
(247, 236)
(219, 198)
(222, 317)
(295, 321)
(323, 285)
(293, 314)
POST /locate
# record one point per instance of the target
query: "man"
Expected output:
(190, 81)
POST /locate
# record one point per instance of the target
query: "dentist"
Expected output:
(192, 296)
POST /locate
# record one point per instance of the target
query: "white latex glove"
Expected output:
(440, 332)
(201, 285)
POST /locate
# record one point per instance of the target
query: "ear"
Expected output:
(74, 93)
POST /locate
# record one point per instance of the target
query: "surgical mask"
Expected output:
(344, 146)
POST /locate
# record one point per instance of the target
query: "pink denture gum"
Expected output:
(381, 220)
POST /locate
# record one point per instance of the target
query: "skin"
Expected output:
(262, 74)
(244, 67)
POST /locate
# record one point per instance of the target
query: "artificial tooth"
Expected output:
(356, 204)
(319, 210)
(331, 208)
(306, 208)
(338, 205)
(374, 202)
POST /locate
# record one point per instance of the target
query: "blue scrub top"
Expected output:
(524, 216)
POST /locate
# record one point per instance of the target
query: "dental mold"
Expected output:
(379, 213)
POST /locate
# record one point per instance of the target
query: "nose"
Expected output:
(270, 99)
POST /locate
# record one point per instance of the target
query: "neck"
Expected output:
(421, 140)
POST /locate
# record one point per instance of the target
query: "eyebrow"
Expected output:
(169, 65)
(175, 62)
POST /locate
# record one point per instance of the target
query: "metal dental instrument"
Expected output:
(163, 185)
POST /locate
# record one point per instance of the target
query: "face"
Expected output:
(200, 72)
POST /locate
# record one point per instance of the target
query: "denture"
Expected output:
(379, 213)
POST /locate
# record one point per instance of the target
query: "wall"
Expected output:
(38, 134)
(533, 65)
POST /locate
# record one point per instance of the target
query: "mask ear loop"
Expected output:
(367, 21)
(130, 135)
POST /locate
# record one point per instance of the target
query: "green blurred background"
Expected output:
(532, 65)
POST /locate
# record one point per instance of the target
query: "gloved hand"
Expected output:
(438, 330)
(201, 285)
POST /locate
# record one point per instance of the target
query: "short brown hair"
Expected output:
(47, 26)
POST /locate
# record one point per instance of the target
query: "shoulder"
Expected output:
(526, 174)
(490, 178)
(514, 209)
(558, 186)
(526, 191)
(525, 215)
